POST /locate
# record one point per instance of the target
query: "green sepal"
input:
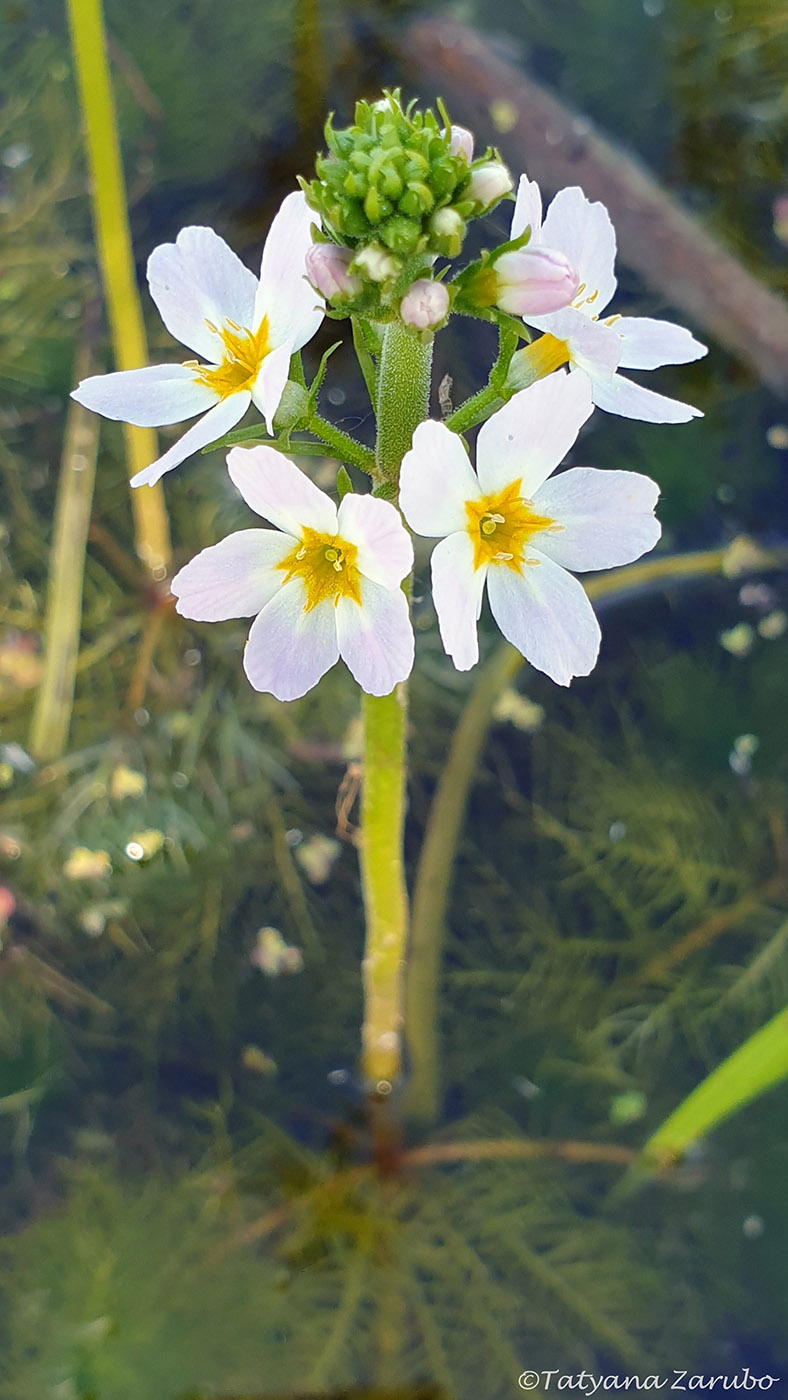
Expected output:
(317, 382)
(344, 484)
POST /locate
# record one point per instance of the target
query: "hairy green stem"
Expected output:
(402, 404)
(403, 397)
(343, 445)
(447, 814)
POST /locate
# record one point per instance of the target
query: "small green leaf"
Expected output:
(344, 484)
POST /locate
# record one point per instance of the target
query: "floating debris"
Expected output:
(518, 710)
(143, 845)
(255, 1059)
(773, 626)
(274, 956)
(738, 640)
(126, 782)
(317, 857)
(628, 1107)
(84, 864)
(741, 755)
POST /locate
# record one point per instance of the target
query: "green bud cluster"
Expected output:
(391, 182)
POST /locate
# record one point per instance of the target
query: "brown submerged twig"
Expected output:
(657, 237)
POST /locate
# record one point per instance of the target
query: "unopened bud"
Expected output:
(375, 263)
(327, 268)
(448, 230)
(489, 183)
(462, 142)
(425, 305)
(534, 282)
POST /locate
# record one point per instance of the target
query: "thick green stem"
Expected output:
(403, 398)
(402, 404)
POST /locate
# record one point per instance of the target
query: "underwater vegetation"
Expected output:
(195, 1206)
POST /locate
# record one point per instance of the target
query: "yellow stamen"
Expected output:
(244, 352)
(326, 565)
(501, 525)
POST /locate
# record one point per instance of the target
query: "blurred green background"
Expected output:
(160, 1092)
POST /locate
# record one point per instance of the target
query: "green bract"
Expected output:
(390, 184)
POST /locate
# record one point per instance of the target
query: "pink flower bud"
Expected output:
(489, 183)
(462, 142)
(534, 281)
(327, 269)
(425, 305)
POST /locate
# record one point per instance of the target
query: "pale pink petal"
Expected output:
(436, 479)
(647, 344)
(289, 649)
(375, 637)
(528, 438)
(293, 308)
(234, 578)
(217, 421)
(583, 232)
(545, 614)
(277, 489)
(385, 551)
(149, 398)
(621, 395)
(457, 588)
(527, 211)
(198, 280)
(269, 385)
(604, 518)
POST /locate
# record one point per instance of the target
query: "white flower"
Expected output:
(245, 329)
(324, 583)
(488, 184)
(582, 231)
(519, 532)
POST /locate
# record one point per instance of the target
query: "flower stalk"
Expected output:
(403, 401)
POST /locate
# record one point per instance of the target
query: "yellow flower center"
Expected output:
(326, 565)
(244, 352)
(501, 525)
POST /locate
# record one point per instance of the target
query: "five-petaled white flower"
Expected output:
(513, 528)
(246, 329)
(582, 231)
(325, 583)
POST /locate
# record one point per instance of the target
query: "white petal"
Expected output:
(621, 395)
(647, 344)
(593, 346)
(532, 433)
(293, 307)
(385, 550)
(375, 637)
(545, 614)
(270, 382)
(149, 398)
(436, 479)
(583, 231)
(217, 421)
(527, 210)
(277, 489)
(457, 589)
(606, 518)
(234, 578)
(196, 280)
(289, 649)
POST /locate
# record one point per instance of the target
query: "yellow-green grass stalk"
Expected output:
(113, 240)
